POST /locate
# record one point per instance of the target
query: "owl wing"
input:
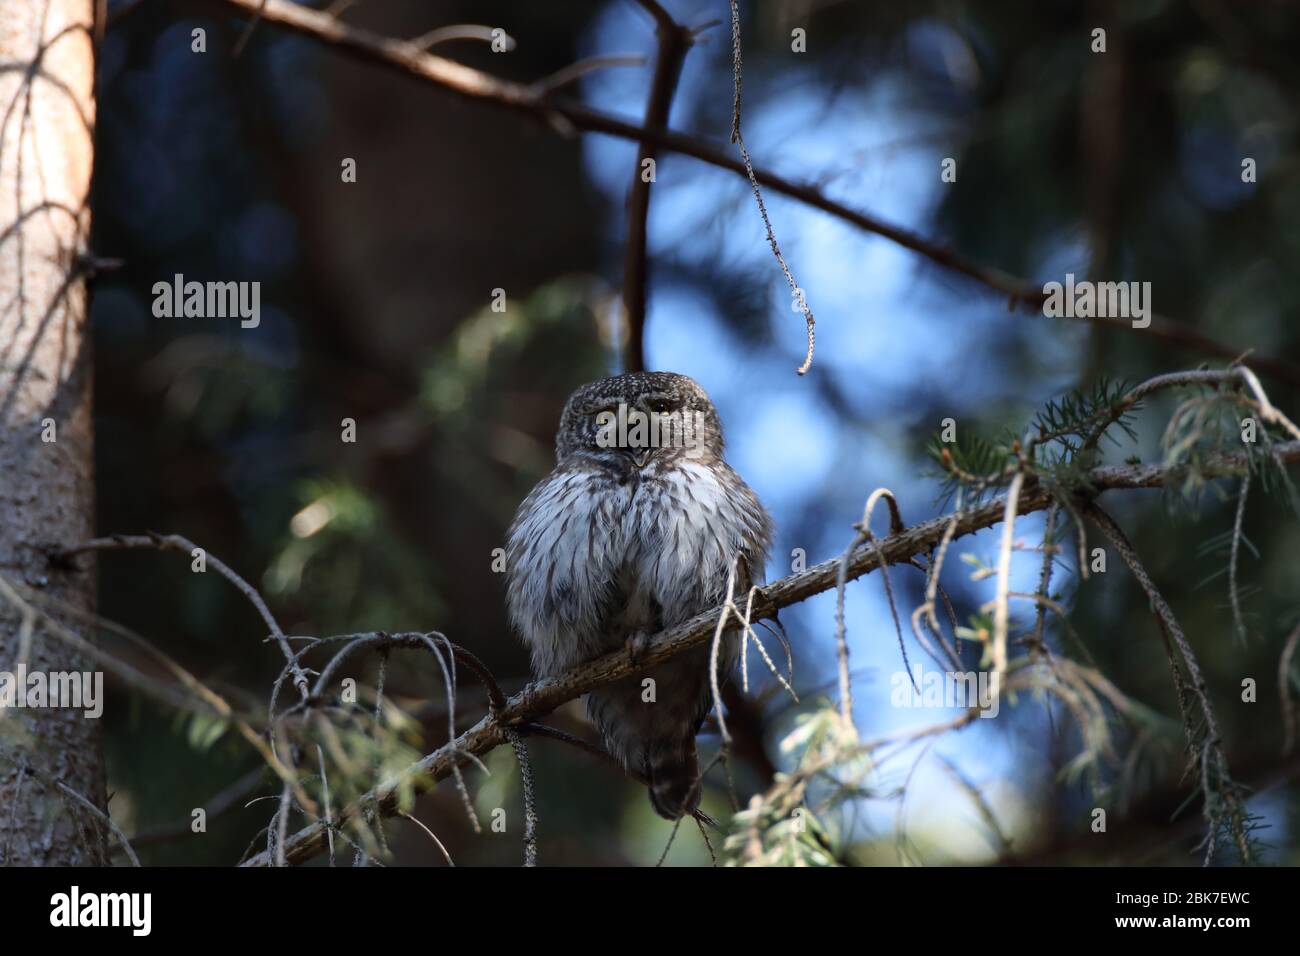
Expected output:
(562, 552)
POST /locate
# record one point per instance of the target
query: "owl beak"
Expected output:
(642, 456)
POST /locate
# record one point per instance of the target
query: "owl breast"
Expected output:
(682, 531)
(594, 555)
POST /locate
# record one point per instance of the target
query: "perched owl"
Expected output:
(634, 531)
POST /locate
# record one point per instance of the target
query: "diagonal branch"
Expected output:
(541, 697)
(176, 542)
(566, 116)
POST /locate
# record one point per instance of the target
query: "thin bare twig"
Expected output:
(223, 802)
(530, 799)
(176, 542)
(432, 836)
(462, 31)
(575, 71)
(1234, 596)
(325, 787)
(216, 704)
(1001, 612)
(862, 533)
(242, 43)
(800, 298)
(1003, 842)
(1045, 574)
(99, 814)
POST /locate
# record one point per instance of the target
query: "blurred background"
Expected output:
(376, 296)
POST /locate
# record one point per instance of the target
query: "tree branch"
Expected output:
(175, 542)
(673, 40)
(566, 116)
(541, 697)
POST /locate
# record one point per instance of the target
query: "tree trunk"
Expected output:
(47, 114)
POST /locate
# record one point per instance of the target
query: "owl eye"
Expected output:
(661, 406)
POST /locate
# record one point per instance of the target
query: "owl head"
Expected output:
(638, 418)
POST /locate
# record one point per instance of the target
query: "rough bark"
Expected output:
(46, 487)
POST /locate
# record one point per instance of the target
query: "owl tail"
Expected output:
(674, 771)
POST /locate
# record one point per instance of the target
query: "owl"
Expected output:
(635, 531)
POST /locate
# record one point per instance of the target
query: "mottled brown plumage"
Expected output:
(634, 531)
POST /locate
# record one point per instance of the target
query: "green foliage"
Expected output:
(1077, 421)
(350, 752)
(972, 468)
(458, 381)
(783, 827)
(1062, 442)
(350, 563)
(217, 387)
(205, 729)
